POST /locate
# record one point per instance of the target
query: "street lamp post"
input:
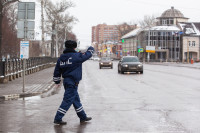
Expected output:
(187, 51)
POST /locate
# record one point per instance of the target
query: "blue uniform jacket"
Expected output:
(69, 65)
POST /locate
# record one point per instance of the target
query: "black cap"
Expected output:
(70, 44)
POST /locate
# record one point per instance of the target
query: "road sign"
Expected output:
(140, 50)
(24, 49)
(150, 49)
(29, 34)
(30, 25)
(25, 22)
(26, 10)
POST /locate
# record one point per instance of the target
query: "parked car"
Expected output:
(105, 62)
(130, 64)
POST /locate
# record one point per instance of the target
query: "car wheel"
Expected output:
(141, 72)
(99, 67)
(119, 70)
(122, 72)
(111, 67)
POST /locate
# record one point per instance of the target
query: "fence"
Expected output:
(13, 68)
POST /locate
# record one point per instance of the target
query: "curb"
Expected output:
(175, 65)
(22, 95)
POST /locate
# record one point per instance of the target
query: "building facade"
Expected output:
(190, 41)
(171, 39)
(104, 33)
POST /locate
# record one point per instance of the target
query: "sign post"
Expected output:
(140, 50)
(24, 54)
(25, 30)
(150, 49)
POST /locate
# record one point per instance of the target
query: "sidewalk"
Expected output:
(195, 65)
(36, 83)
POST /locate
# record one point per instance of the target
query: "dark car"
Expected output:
(130, 64)
(105, 62)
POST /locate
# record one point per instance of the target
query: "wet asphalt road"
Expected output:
(162, 100)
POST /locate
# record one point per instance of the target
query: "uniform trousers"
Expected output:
(71, 96)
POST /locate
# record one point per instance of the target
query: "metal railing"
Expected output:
(14, 66)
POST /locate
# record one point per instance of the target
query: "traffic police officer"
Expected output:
(69, 65)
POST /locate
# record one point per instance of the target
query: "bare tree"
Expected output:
(3, 5)
(57, 18)
(11, 14)
(9, 39)
(125, 28)
(148, 21)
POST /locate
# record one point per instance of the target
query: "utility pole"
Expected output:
(56, 39)
(42, 27)
(2, 5)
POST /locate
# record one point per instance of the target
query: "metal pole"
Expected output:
(187, 50)
(148, 56)
(24, 60)
(42, 27)
(56, 39)
(24, 67)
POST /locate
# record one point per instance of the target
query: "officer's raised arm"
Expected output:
(86, 55)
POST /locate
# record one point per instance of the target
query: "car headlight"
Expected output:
(101, 63)
(110, 63)
(139, 65)
(125, 65)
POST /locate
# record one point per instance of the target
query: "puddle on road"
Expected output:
(49, 93)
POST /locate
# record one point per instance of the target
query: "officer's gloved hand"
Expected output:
(91, 49)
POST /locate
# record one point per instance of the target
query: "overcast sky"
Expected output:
(93, 12)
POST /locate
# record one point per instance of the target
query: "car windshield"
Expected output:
(105, 59)
(130, 59)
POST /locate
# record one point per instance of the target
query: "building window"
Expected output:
(171, 21)
(177, 44)
(154, 43)
(164, 45)
(189, 43)
(167, 21)
(177, 55)
(164, 22)
(193, 43)
(150, 43)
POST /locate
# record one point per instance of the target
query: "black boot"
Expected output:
(60, 122)
(86, 119)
